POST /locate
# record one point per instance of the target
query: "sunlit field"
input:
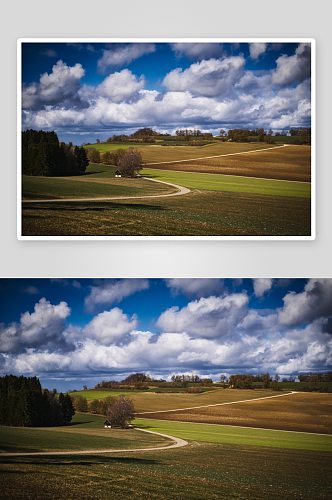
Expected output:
(219, 462)
(292, 163)
(264, 193)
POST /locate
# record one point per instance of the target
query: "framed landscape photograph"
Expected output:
(166, 139)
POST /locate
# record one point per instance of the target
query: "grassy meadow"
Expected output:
(102, 147)
(98, 181)
(238, 435)
(85, 432)
(220, 182)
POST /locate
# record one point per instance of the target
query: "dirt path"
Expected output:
(178, 443)
(181, 190)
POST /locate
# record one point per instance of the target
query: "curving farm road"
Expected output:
(181, 190)
(178, 443)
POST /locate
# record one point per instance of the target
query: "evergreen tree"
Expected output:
(43, 155)
(23, 403)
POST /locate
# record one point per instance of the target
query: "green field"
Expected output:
(238, 435)
(199, 213)
(91, 394)
(109, 146)
(219, 182)
(99, 181)
(86, 432)
(200, 471)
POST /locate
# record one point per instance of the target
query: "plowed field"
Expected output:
(295, 412)
(287, 163)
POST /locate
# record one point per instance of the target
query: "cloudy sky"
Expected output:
(71, 332)
(86, 91)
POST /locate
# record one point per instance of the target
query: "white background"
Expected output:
(178, 19)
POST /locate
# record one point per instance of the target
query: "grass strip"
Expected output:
(231, 183)
(239, 435)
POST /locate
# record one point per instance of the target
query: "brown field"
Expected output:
(300, 412)
(291, 163)
(156, 153)
(149, 401)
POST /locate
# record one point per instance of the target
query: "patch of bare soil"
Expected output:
(297, 412)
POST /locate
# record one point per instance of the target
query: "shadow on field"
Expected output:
(102, 206)
(91, 173)
(79, 423)
(13, 449)
(91, 460)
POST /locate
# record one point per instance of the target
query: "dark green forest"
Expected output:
(23, 403)
(44, 155)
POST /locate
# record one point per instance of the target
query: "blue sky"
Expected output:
(72, 332)
(86, 91)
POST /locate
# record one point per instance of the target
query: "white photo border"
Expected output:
(312, 41)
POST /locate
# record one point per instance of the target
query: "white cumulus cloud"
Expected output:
(112, 291)
(314, 302)
(123, 55)
(110, 327)
(42, 328)
(120, 86)
(213, 77)
(262, 285)
(197, 50)
(210, 318)
(60, 86)
(295, 68)
(195, 286)
(256, 49)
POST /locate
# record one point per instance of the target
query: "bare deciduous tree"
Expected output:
(130, 164)
(121, 412)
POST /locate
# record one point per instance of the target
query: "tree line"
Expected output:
(319, 377)
(127, 383)
(44, 155)
(260, 135)
(141, 135)
(245, 381)
(147, 135)
(119, 411)
(194, 379)
(138, 379)
(23, 403)
(129, 161)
